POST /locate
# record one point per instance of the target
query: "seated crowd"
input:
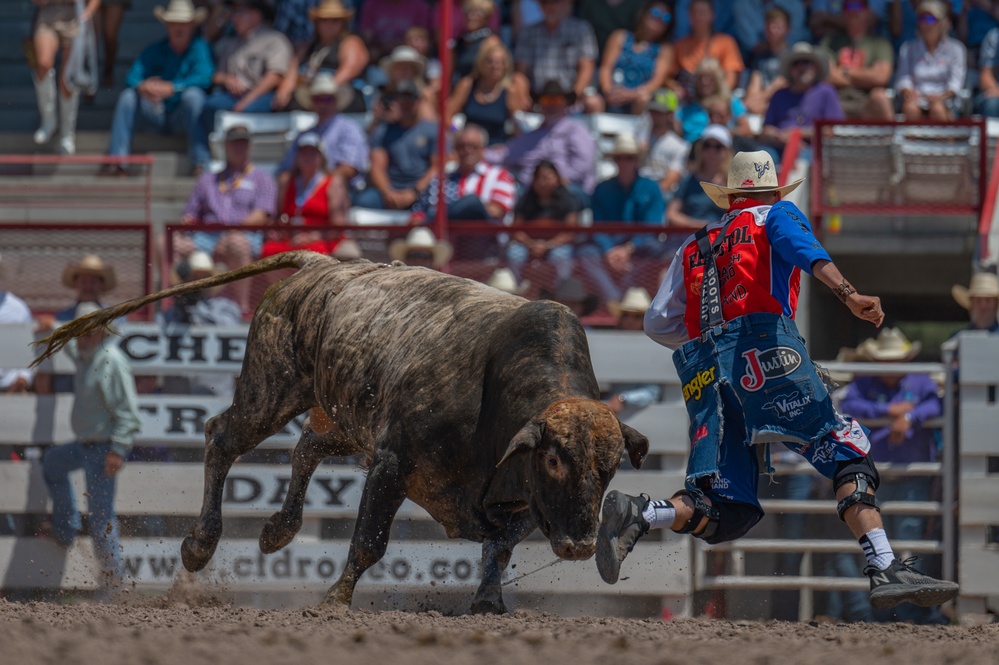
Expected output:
(702, 79)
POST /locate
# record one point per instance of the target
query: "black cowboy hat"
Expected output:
(554, 89)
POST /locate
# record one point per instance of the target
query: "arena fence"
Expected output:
(664, 566)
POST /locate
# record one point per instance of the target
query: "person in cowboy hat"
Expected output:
(628, 398)
(206, 307)
(421, 248)
(628, 198)
(165, 88)
(808, 97)
(981, 299)
(504, 280)
(726, 307)
(91, 278)
(334, 50)
(405, 65)
(907, 401)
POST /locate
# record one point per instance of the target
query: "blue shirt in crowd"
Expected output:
(192, 69)
(410, 150)
(642, 203)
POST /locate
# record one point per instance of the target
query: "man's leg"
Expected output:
(198, 134)
(591, 259)
(185, 117)
(57, 464)
(103, 524)
(130, 114)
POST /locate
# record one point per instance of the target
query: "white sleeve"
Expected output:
(664, 318)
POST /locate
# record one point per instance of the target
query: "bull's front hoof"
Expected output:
(337, 601)
(488, 606)
(195, 556)
(276, 534)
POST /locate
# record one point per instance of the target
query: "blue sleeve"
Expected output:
(988, 52)
(653, 213)
(791, 236)
(770, 118)
(378, 136)
(738, 108)
(145, 63)
(855, 403)
(198, 67)
(603, 212)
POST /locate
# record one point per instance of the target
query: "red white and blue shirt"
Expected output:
(759, 265)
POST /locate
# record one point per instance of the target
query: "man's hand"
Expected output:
(112, 464)
(615, 404)
(899, 428)
(867, 308)
(619, 258)
(234, 86)
(896, 409)
(20, 385)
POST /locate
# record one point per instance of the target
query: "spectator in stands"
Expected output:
(562, 140)
(344, 144)
(546, 203)
(573, 294)
(903, 18)
(421, 248)
(200, 308)
(492, 93)
(607, 17)
(110, 15)
(105, 418)
(691, 208)
(637, 62)
(749, 19)
(504, 280)
(475, 190)
(240, 194)
(862, 64)
(560, 48)
(14, 311)
(765, 76)
(627, 399)
(334, 50)
(987, 101)
(418, 39)
(703, 42)
(251, 66)
(908, 401)
(166, 86)
(524, 13)
(90, 278)
(479, 26)
(383, 23)
(981, 299)
(931, 68)
(719, 108)
(709, 83)
(403, 154)
(292, 17)
(55, 26)
(666, 154)
(977, 20)
(627, 198)
(808, 97)
(313, 196)
(405, 64)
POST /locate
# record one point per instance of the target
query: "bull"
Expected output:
(479, 406)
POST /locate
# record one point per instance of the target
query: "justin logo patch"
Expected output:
(765, 364)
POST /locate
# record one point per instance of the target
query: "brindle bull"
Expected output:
(480, 406)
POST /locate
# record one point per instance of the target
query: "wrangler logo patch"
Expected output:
(762, 365)
(692, 389)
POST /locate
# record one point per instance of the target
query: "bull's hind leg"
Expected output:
(269, 393)
(384, 491)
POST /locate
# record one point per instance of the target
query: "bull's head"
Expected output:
(574, 448)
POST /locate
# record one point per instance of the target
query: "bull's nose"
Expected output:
(574, 550)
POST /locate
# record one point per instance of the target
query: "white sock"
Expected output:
(877, 549)
(659, 514)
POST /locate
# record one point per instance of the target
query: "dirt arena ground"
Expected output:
(162, 631)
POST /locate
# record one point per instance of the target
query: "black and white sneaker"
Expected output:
(901, 583)
(621, 525)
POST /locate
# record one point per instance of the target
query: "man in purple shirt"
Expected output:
(562, 140)
(240, 194)
(808, 97)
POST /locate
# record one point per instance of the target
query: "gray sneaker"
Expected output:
(901, 583)
(621, 525)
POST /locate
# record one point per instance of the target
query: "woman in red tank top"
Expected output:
(314, 197)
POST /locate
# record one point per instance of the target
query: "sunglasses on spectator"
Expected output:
(713, 145)
(928, 19)
(660, 14)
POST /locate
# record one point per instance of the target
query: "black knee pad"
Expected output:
(862, 472)
(726, 520)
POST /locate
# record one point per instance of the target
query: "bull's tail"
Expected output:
(102, 319)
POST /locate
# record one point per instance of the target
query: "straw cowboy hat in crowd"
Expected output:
(180, 11)
(324, 84)
(625, 145)
(983, 285)
(91, 264)
(347, 250)
(504, 280)
(404, 54)
(890, 345)
(421, 238)
(804, 51)
(749, 173)
(330, 9)
(636, 300)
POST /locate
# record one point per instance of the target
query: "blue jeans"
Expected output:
(369, 197)
(219, 100)
(560, 258)
(987, 106)
(133, 113)
(57, 464)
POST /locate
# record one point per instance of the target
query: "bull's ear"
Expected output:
(636, 444)
(526, 439)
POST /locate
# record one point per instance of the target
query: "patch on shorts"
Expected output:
(789, 406)
(765, 364)
(692, 389)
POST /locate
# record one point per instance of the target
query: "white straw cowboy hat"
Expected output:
(324, 84)
(983, 285)
(504, 280)
(180, 11)
(624, 145)
(749, 173)
(636, 300)
(421, 238)
(330, 9)
(347, 250)
(891, 344)
(404, 54)
(91, 264)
